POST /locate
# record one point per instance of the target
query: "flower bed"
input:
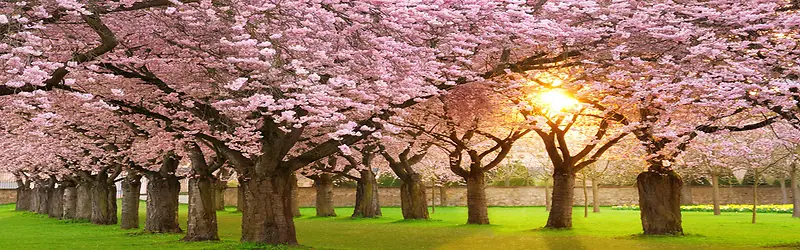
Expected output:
(724, 208)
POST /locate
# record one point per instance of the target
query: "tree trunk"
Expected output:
(42, 198)
(70, 202)
(56, 206)
(715, 192)
(755, 195)
(23, 202)
(443, 195)
(412, 198)
(547, 199)
(324, 202)
(267, 217)
(785, 198)
(585, 199)
(367, 202)
(595, 196)
(104, 202)
(24, 199)
(219, 194)
(795, 192)
(295, 203)
(240, 197)
(83, 205)
(162, 204)
(560, 216)
(131, 189)
(477, 210)
(202, 221)
(659, 201)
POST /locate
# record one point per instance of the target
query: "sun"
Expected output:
(556, 100)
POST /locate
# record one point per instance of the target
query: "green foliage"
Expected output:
(513, 228)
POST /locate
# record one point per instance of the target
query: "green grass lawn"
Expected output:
(513, 228)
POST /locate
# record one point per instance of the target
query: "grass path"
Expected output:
(513, 228)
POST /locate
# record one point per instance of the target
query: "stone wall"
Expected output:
(8, 196)
(535, 196)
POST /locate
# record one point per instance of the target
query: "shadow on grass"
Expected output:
(795, 245)
(253, 246)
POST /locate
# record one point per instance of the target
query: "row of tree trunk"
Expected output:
(93, 201)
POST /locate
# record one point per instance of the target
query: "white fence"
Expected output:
(7, 181)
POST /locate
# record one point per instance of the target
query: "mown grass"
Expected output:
(512, 228)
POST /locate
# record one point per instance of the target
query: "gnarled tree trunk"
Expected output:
(367, 202)
(131, 189)
(477, 211)
(267, 217)
(56, 206)
(202, 224)
(324, 201)
(560, 216)
(412, 198)
(219, 194)
(162, 204)
(83, 205)
(24, 198)
(70, 201)
(659, 201)
(104, 201)
(43, 193)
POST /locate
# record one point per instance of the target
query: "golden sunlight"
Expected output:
(556, 100)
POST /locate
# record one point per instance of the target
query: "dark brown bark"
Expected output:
(70, 201)
(367, 201)
(267, 217)
(83, 205)
(324, 201)
(659, 201)
(560, 216)
(295, 203)
(104, 201)
(412, 198)
(202, 217)
(163, 188)
(131, 189)
(162, 204)
(56, 205)
(477, 211)
(43, 192)
(595, 196)
(715, 192)
(202, 221)
(443, 196)
(219, 194)
(24, 198)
